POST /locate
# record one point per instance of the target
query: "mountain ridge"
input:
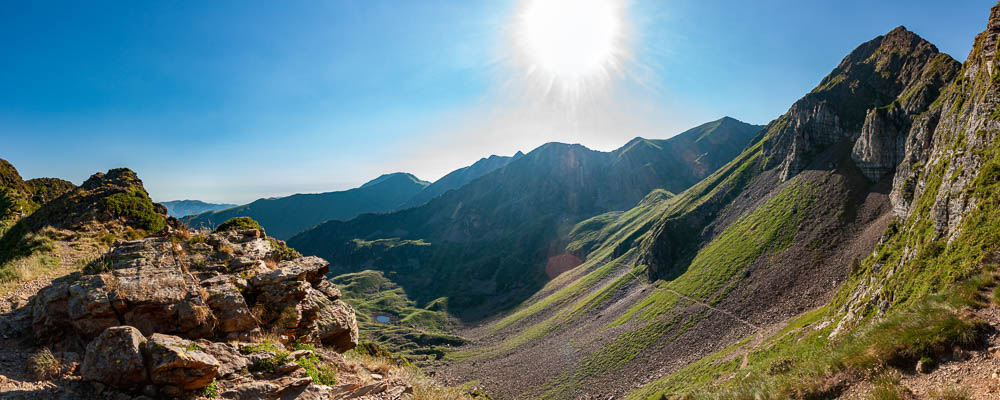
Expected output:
(731, 242)
(286, 216)
(519, 214)
(183, 208)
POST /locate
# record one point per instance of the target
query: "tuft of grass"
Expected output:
(212, 390)
(952, 393)
(266, 345)
(43, 365)
(238, 224)
(322, 373)
(424, 387)
(886, 387)
(282, 250)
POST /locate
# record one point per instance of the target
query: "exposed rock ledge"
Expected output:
(166, 316)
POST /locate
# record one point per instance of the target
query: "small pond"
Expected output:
(383, 319)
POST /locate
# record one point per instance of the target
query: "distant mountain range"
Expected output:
(460, 177)
(286, 216)
(183, 208)
(489, 240)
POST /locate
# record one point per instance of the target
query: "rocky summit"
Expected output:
(168, 315)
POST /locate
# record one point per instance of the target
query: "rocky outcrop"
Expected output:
(950, 137)
(150, 311)
(943, 175)
(161, 286)
(868, 101)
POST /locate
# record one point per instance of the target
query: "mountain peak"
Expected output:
(394, 176)
(121, 177)
(9, 177)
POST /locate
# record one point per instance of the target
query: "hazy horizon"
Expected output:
(230, 101)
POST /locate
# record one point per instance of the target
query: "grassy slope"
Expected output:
(921, 283)
(761, 233)
(489, 239)
(415, 332)
(63, 234)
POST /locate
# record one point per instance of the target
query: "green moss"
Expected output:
(259, 347)
(238, 224)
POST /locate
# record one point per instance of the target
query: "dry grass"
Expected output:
(424, 387)
(43, 365)
(953, 393)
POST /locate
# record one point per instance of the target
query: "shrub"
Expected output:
(136, 206)
(282, 250)
(238, 224)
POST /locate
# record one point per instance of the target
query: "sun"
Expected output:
(569, 43)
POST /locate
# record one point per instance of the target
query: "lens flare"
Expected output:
(569, 46)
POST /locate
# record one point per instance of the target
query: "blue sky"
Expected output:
(234, 100)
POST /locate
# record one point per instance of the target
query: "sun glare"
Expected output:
(570, 43)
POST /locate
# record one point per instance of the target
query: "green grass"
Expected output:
(417, 330)
(768, 229)
(259, 347)
(212, 390)
(136, 205)
(322, 372)
(926, 282)
(929, 329)
(238, 224)
(284, 252)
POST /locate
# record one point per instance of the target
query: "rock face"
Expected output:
(867, 102)
(952, 136)
(178, 292)
(178, 362)
(115, 358)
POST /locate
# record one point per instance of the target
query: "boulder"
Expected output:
(309, 269)
(153, 294)
(178, 362)
(89, 308)
(287, 387)
(332, 322)
(231, 361)
(115, 358)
